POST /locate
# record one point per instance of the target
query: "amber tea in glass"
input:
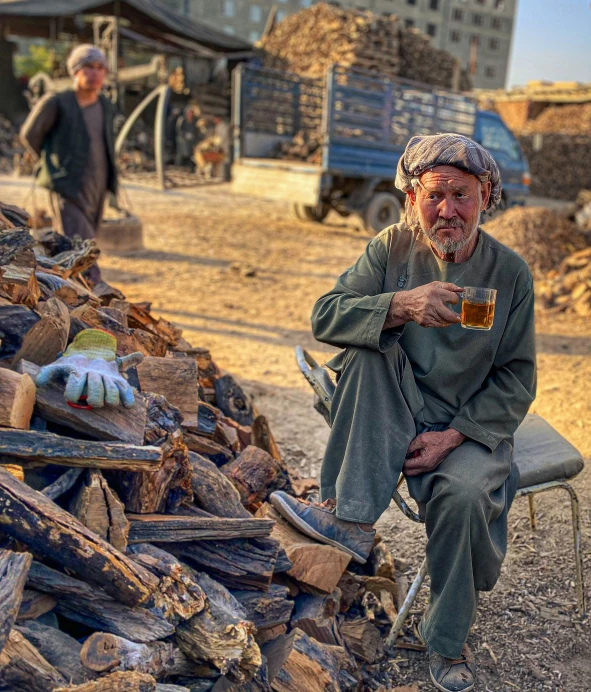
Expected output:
(478, 307)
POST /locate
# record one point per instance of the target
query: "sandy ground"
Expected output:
(240, 277)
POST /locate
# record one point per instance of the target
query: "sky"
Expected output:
(552, 41)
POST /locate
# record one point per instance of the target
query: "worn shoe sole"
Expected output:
(285, 510)
(444, 689)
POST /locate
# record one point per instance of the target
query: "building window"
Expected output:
(409, 23)
(305, 3)
(497, 23)
(434, 5)
(477, 19)
(255, 14)
(431, 29)
(499, 5)
(253, 36)
(490, 72)
(458, 15)
(475, 40)
(229, 30)
(493, 44)
(228, 8)
(411, 2)
(281, 15)
(455, 36)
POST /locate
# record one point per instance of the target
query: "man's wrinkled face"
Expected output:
(91, 77)
(448, 203)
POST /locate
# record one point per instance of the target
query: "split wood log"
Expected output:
(58, 649)
(207, 420)
(263, 437)
(213, 492)
(23, 669)
(313, 564)
(252, 473)
(232, 434)
(97, 507)
(108, 423)
(47, 338)
(161, 419)
(268, 609)
(91, 606)
(176, 380)
(317, 617)
(64, 483)
(17, 399)
(162, 687)
(362, 638)
(376, 585)
(15, 323)
(213, 451)
(34, 604)
(13, 575)
(66, 451)
(116, 682)
(382, 562)
(236, 563)
(232, 401)
(352, 587)
(162, 528)
(20, 283)
(103, 652)
(140, 318)
(35, 520)
(15, 470)
(178, 596)
(16, 246)
(221, 635)
(267, 634)
(126, 339)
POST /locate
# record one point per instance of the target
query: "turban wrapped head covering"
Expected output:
(425, 152)
(84, 54)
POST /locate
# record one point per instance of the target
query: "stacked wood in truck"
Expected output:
(138, 550)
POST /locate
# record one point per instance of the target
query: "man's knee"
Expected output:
(364, 360)
(458, 499)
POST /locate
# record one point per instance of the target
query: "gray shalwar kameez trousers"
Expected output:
(394, 384)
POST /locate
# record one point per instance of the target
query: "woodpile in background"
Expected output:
(138, 551)
(13, 156)
(574, 119)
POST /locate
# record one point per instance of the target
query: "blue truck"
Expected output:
(363, 122)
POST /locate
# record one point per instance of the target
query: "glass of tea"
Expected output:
(478, 307)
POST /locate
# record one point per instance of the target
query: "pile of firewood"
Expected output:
(138, 551)
(304, 146)
(311, 40)
(574, 119)
(13, 156)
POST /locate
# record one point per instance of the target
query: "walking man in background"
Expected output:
(72, 135)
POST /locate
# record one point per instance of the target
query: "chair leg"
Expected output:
(576, 514)
(531, 500)
(407, 605)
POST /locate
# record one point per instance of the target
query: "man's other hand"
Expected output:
(429, 449)
(425, 305)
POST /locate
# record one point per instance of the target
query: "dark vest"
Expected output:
(64, 154)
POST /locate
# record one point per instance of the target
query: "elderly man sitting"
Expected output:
(417, 393)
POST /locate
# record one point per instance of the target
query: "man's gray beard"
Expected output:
(448, 246)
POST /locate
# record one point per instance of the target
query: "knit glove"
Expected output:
(92, 371)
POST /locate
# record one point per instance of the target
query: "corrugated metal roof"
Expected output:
(165, 18)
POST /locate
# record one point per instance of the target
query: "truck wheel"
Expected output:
(317, 213)
(382, 210)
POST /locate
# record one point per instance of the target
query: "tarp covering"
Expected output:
(146, 17)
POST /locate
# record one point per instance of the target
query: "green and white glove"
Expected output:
(90, 367)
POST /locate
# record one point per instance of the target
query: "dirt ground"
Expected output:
(240, 277)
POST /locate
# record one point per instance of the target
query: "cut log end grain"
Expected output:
(17, 399)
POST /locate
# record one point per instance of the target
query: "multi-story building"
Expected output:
(478, 32)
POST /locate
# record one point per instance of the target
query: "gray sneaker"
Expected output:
(320, 522)
(448, 674)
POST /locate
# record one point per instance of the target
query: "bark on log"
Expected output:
(176, 380)
(47, 338)
(116, 682)
(162, 419)
(213, 451)
(15, 323)
(352, 588)
(232, 401)
(51, 531)
(20, 284)
(267, 609)
(108, 423)
(317, 617)
(23, 669)
(162, 528)
(13, 575)
(382, 562)
(91, 606)
(127, 342)
(34, 604)
(64, 483)
(252, 473)
(14, 470)
(213, 491)
(57, 449)
(17, 399)
(58, 649)
(103, 652)
(362, 638)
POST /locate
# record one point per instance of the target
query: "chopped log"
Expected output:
(175, 379)
(171, 688)
(13, 575)
(15, 246)
(103, 652)
(150, 343)
(313, 564)
(34, 604)
(161, 528)
(352, 588)
(162, 419)
(23, 669)
(64, 483)
(232, 400)
(126, 339)
(263, 438)
(15, 323)
(362, 638)
(229, 432)
(376, 585)
(52, 532)
(252, 473)
(267, 634)
(207, 420)
(97, 507)
(111, 296)
(14, 470)
(221, 635)
(213, 451)
(91, 606)
(108, 423)
(20, 283)
(116, 682)
(65, 451)
(142, 319)
(178, 596)
(47, 338)
(317, 617)
(213, 491)
(236, 563)
(268, 609)
(52, 241)
(17, 399)
(382, 562)
(58, 649)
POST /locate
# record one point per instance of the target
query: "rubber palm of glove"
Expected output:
(102, 379)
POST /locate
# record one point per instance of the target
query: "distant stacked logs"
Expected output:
(568, 289)
(574, 119)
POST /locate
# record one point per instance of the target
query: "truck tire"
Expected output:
(305, 213)
(382, 210)
(120, 235)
